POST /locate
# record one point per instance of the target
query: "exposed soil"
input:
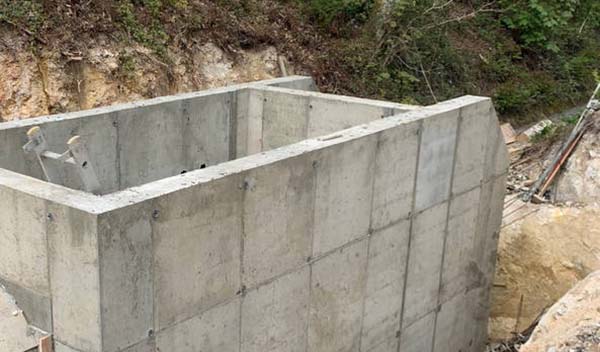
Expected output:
(97, 61)
(545, 249)
(49, 82)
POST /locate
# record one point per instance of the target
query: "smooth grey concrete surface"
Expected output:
(436, 159)
(343, 193)
(395, 171)
(388, 250)
(320, 223)
(277, 225)
(289, 116)
(274, 315)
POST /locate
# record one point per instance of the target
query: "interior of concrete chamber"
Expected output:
(132, 146)
(144, 142)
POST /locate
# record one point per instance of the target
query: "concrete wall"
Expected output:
(381, 237)
(31, 209)
(49, 262)
(327, 245)
(132, 144)
(278, 117)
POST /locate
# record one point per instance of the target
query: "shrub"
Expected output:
(541, 23)
(521, 94)
(25, 13)
(340, 12)
(152, 35)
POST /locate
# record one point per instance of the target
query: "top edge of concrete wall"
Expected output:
(340, 98)
(283, 81)
(93, 204)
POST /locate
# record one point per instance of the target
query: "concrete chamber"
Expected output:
(258, 217)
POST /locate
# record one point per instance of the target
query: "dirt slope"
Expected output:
(110, 72)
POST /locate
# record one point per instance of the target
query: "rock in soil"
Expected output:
(573, 323)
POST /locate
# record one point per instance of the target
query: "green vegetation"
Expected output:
(25, 14)
(547, 133)
(152, 33)
(558, 130)
(539, 23)
(340, 15)
(126, 65)
(531, 56)
(571, 120)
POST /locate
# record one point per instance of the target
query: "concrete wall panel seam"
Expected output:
(370, 233)
(101, 295)
(196, 315)
(309, 262)
(364, 294)
(243, 289)
(411, 217)
(450, 196)
(233, 125)
(115, 123)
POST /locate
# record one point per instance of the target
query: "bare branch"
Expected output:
(434, 7)
(486, 8)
